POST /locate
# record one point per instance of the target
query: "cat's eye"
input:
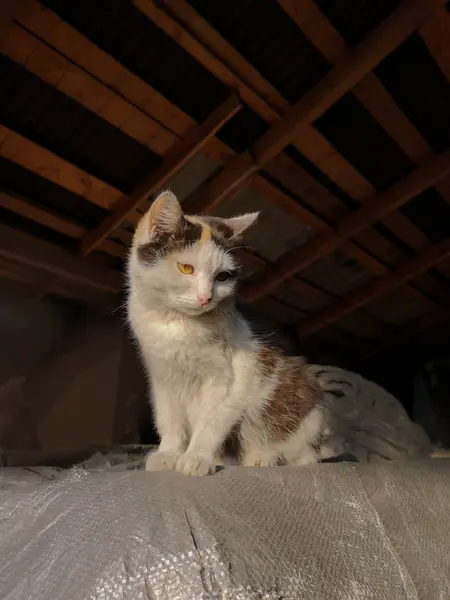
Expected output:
(185, 268)
(223, 276)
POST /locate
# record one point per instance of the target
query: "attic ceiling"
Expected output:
(329, 116)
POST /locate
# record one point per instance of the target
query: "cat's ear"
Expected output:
(240, 224)
(164, 216)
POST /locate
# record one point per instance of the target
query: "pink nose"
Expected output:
(204, 299)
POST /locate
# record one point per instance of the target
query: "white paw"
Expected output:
(161, 461)
(307, 457)
(193, 464)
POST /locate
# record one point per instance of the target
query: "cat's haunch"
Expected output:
(210, 376)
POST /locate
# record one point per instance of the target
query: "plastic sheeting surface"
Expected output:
(338, 531)
(363, 419)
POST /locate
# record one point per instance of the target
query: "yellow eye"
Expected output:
(185, 269)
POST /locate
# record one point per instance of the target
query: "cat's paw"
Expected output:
(194, 464)
(259, 459)
(161, 461)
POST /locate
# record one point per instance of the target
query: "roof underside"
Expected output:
(97, 97)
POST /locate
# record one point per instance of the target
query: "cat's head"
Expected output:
(186, 262)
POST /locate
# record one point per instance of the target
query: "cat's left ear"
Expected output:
(164, 216)
(240, 224)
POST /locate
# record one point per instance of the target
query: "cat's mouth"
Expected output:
(194, 311)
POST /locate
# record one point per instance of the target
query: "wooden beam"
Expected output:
(38, 215)
(370, 91)
(37, 253)
(373, 210)
(197, 37)
(314, 103)
(8, 9)
(37, 159)
(76, 49)
(406, 332)
(435, 33)
(376, 288)
(225, 63)
(53, 68)
(344, 76)
(110, 73)
(174, 161)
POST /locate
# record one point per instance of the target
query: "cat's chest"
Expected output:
(176, 342)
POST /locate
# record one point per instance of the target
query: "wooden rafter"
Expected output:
(283, 195)
(38, 215)
(75, 231)
(376, 288)
(37, 159)
(332, 87)
(174, 161)
(373, 210)
(108, 72)
(435, 33)
(370, 91)
(46, 63)
(404, 333)
(47, 219)
(219, 57)
(40, 254)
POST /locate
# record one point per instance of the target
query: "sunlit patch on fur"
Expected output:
(206, 234)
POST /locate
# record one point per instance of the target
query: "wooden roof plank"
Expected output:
(50, 66)
(371, 92)
(54, 222)
(332, 87)
(106, 70)
(405, 333)
(45, 24)
(376, 288)
(435, 32)
(27, 249)
(373, 210)
(179, 156)
(344, 76)
(37, 159)
(223, 58)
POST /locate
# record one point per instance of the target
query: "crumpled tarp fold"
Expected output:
(330, 531)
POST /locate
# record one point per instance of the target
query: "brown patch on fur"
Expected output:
(296, 394)
(222, 233)
(221, 229)
(186, 233)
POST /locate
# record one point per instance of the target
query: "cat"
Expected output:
(211, 377)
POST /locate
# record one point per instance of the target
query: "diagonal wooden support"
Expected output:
(373, 210)
(175, 160)
(61, 263)
(344, 76)
(43, 217)
(56, 48)
(406, 332)
(370, 90)
(382, 286)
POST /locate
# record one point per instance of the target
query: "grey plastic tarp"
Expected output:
(326, 532)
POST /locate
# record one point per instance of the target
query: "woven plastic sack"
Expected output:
(336, 531)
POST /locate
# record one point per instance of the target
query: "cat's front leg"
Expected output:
(171, 427)
(218, 416)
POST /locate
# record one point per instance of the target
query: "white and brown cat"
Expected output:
(211, 377)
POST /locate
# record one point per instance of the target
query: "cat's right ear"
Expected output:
(163, 217)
